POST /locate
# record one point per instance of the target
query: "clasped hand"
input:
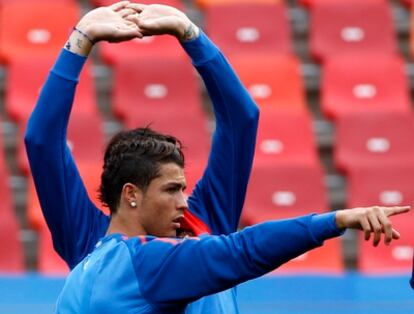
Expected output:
(125, 20)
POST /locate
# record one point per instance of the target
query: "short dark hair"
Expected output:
(135, 156)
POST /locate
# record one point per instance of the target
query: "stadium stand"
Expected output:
(196, 142)
(387, 186)
(273, 81)
(278, 191)
(48, 261)
(408, 3)
(362, 82)
(207, 3)
(325, 260)
(162, 47)
(39, 33)
(380, 139)
(25, 78)
(285, 137)
(351, 27)
(310, 3)
(85, 139)
(11, 253)
(153, 85)
(249, 28)
(149, 47)
(291, 38)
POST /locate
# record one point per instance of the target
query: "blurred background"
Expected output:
(333, 80)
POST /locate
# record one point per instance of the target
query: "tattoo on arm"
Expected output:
(79, 43)
(189, 33)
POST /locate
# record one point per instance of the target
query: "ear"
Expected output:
(131, 195)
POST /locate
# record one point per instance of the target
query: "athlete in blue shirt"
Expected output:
(144, 191)
(216, 202)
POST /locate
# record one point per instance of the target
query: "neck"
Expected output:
(125, 226)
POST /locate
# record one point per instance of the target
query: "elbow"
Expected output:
(252, 116)
(32, 139)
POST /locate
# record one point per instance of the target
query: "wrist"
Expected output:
(79, 42)
(339, 219)
(188, 31)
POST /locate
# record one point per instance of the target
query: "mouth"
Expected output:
(177, 222)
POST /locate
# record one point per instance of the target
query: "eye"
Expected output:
(173, 189)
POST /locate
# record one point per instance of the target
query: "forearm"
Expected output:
(220, 262)
(233, 140)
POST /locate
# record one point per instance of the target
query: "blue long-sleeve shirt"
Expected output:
(216, 202)
(162, 275)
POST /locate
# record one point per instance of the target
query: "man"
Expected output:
(157, 205)
(215, 204)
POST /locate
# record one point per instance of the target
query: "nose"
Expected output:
(182, 201)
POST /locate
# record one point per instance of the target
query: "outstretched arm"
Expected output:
(219, 196)
(217, 263)
(75, 223)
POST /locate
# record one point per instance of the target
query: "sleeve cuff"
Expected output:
(200, 49)
(69, 65)
(324, 227)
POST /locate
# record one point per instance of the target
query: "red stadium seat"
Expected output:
(385, 186)
(11, 253)
(90, 172)
(2, 2)
(137, 49)
(408, 3)
(326, 259)
(249, 28)
(412, 30)
(381, 139)
(273, 81)
(310, 3)
(159, 85)
(85, 139)
(285, 137)
(28, 29)
(353, 83)
(190, 129)
(49, 262)
(209, 3)
(25, 78)
(175, 3)
(351, 27)
(156, 46)
(282, 191)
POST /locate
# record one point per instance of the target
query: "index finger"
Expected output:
(137, 7)
(390, 211)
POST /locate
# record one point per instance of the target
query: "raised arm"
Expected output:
(75, 223)
(217, 263)
(219, 196)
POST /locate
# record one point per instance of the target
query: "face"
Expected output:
(163, 203)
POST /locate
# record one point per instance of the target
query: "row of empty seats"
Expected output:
(238, 28)
(371, 110)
